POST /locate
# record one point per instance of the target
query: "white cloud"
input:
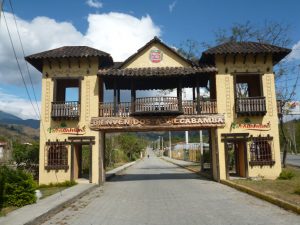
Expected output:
(35, 38)
(295, 54)
(17, 106)
(116, 33)
(120, 34)
(172, 6)
(94, 4)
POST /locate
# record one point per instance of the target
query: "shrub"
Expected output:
(18, 188)
(286, 175)
(66, 183)
(297, 191)
(2, 182)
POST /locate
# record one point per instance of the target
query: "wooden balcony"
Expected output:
(65, 110)
(251, 106)
(157, 106)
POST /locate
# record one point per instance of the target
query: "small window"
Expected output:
(56, 156)
(248, 85)
(261, 151)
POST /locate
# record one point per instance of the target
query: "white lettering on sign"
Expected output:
(98, 123)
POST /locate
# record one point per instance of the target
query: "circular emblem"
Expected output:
(156, 56)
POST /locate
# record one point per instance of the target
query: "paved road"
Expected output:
(293, 160)
(155, 192)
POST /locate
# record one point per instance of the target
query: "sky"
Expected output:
(121, 27)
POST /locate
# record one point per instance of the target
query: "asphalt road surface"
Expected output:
(293, 159)
(155, 192)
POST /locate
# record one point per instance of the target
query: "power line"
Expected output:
(27, 67)
(18, 63)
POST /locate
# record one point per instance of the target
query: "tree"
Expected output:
(26, 156)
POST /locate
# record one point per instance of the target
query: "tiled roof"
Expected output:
(65, 52)
(157, 71)
(245, 47)
(277, 52)
(69, 51)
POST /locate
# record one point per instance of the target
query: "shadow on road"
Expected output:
(162, 176)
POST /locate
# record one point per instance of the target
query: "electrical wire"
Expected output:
(19, 66)
(27, 67)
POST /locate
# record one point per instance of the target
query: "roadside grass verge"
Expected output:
(54, 188)
(286, 187)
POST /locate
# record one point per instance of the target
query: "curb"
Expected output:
(42, 218)
(126, 166)
(276, 201)
(281, 203)
(192, 170)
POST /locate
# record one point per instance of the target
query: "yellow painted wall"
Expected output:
(89, 108)
(169, 59)
(226, 99)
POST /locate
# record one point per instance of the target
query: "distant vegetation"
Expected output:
(123, 148)
(292, 131)
(7, 118)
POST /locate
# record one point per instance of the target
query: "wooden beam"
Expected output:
(265, 58)
(133, 96)
(194, 94)
(254, 58)
(179, 95)
(245, 58)
(49, 63)
(115, 97)
(234, 58)
(225, 59)
(198, 96)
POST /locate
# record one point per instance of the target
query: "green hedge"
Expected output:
(17, 188)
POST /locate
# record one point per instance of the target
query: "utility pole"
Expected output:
(201, 150)
(170, 145)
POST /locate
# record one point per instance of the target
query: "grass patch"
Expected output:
(54, 188)
(66, 183)
(285, 189)
(115, 166)
(48, 191)
(6, 210)
(286, 174)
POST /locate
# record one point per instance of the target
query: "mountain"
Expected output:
(7, 118)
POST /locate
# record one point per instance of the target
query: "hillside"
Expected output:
(7, 118)
(19, 133)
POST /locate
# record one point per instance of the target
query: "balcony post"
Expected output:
(115, 97)
(198, 96)
(179, 95)
(194, 94)
(133, 96)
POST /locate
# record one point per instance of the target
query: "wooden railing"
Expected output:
(206, 106)
(251, 106)
(156, 105)
(65, 110)
(106, 109)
